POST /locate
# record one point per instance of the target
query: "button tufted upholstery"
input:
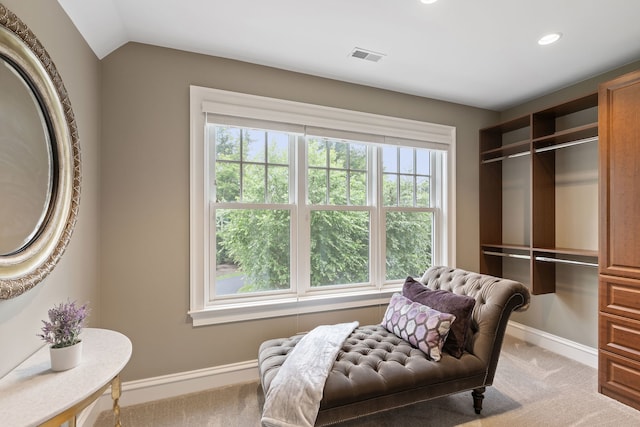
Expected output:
(376, 370)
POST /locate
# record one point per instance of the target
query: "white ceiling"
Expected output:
(482, 53)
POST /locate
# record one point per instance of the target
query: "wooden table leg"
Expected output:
(115, 395)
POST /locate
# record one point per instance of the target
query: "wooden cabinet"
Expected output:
(530, 146)
(619, 257)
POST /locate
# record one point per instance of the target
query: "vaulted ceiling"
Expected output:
(482, 53)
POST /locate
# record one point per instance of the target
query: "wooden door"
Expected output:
(619, 134)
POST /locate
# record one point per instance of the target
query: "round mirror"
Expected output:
(39, 160)
(26, 162)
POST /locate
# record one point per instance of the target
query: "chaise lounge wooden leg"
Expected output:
(478, 395)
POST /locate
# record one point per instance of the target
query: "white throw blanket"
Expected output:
(295, 393)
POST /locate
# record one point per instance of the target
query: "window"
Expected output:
(408, 213)
(252, 206)
(296, 207)
(340, 212)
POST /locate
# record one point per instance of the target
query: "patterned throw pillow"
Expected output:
(421, 326)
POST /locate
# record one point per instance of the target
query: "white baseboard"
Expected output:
(167, 386)
(172, 385)
(571, 349)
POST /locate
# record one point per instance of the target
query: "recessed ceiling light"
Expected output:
(549, 38)
(428, 1)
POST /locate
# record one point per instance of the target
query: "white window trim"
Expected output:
(393, 130)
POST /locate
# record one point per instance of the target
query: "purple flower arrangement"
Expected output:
(66, 323)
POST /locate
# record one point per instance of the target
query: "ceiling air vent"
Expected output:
(366, 54)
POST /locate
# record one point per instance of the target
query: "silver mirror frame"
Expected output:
(23, 270)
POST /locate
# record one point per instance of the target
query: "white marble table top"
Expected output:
(32, 393)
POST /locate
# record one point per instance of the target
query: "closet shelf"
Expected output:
(506, 254)
(566, 261)
(567, 144)
(569, 107)
(505, 247)
(514, 149)
(578, 135)
(584, 257)
(568, 251)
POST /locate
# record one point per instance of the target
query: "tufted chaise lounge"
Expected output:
(377, 371)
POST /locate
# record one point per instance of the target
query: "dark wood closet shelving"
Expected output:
(539, 135)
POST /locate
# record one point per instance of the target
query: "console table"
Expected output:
(34, 395)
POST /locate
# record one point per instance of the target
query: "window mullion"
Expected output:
(437, 199)
(375, 178)
(415, 178)
(303, 229)
(348, 175)
(241, 160)
(267, 197)
(209, 218)
(398, 176)
(327, 176)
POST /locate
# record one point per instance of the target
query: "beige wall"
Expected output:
(145, 197)
(76, 277)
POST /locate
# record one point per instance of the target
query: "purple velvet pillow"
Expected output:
(460, 306)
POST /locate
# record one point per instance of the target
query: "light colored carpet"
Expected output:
(532, 387)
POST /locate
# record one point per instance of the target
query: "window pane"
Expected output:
(316, 152)
(344, 179)
(390, 190)
(253, 145)
(337, 187)
(423, 162)
(339, 247)
(317, 187)
(227, 182)
(406, 160)
(358, 188)
(241, 165)
(390, 159)
(227, 142)
(406, 190)
(338, 154)
(278, 147)
(253, 183)
(358, 157)
(278, 184)
(409, 244)
(252, 250)
(422, 192)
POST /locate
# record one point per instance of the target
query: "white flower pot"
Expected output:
(66, 357)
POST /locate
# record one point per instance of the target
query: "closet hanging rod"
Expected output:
(567, 144)
(510, 156)
(566, 261)
(507, 255)
(495, 159)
